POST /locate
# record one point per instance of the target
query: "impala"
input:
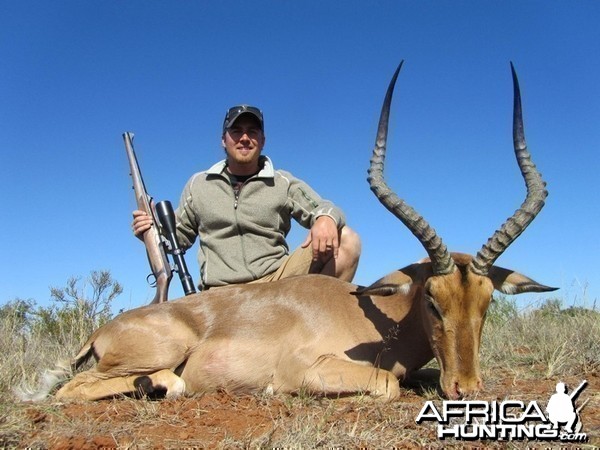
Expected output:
(318, 333)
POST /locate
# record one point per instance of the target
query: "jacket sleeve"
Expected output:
(307, 205)
(186, 218)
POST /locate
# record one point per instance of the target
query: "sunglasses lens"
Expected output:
(235, 111)
(241, 109)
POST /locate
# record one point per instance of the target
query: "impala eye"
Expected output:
(434, 308)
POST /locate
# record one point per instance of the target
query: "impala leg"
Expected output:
(163, 380)
(93, 385)
(331, 375)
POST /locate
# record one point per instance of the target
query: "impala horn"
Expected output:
(534, 201)
(441, 260)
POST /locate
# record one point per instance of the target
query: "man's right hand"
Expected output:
(141, 223)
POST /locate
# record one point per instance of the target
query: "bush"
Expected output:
(550, 340)
(501, 310)
(79, 310)
(35, 337)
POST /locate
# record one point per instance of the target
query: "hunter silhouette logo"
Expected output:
(509, 419)
(561, 408)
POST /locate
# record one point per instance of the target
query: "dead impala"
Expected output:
(318, 333)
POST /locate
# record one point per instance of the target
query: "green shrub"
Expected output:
(36, 337)
(501, 310)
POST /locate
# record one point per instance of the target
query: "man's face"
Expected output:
(243, 142)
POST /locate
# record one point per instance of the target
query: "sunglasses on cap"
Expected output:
(236, 111)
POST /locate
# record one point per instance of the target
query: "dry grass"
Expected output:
(551, 340)
(523, 355)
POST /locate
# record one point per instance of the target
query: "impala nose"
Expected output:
(464, 388)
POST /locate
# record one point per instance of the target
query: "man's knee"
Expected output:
(350, 242)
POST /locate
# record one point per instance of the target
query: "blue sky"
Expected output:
(75, 75)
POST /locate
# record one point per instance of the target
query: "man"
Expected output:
(241, 208)
(561, 409)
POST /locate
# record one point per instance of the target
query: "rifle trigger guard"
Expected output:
(151, 279)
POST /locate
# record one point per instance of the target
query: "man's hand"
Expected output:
(325, 239)
(141, 223)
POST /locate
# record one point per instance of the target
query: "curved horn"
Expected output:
(534, 201)
(440, 258)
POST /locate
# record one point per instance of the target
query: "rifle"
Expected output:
(156, 245)
(575, 392)
(166, 217)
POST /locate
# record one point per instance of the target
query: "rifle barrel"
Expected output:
(155, 247)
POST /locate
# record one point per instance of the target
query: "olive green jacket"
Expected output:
(243, 238)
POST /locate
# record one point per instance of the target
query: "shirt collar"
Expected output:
(267, 170)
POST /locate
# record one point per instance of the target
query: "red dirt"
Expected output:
(223, 420)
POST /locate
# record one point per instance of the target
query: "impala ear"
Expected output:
(383, 290)
(510, 282)
(394, 283)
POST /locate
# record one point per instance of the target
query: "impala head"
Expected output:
(455, 289)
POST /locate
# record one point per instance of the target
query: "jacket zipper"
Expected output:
(236, 199)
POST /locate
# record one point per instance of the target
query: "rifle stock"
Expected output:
(155, 247)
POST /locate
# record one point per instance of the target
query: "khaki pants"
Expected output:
(299, 262)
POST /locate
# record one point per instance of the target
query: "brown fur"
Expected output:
(312, 332)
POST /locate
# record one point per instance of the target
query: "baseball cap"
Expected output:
(236, 111)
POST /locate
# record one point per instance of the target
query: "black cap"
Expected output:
(236, 111)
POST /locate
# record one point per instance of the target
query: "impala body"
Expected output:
(319, 333)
